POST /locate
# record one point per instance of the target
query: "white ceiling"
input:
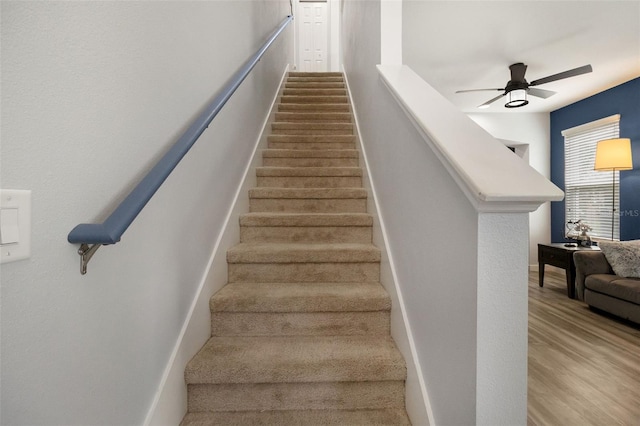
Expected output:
(470, 45)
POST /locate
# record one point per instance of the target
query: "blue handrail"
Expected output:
(110, 231)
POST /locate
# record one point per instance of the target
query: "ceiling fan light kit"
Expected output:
(517, 88)
(517, 98)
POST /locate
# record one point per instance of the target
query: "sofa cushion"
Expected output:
(612, 285)
(624, 257)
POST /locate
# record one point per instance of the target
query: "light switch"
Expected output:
(15, 225)
(9, 226)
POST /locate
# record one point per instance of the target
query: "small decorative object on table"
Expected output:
(578, 231)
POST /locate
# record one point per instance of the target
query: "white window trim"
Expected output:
(591, 125)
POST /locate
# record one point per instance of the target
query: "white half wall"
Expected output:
(533, 130)
(419, 204)
(455, 204)
(92, 94)
(416, 397)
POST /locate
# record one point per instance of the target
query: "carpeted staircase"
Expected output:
(300, 334)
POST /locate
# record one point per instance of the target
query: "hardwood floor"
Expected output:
(584, 366)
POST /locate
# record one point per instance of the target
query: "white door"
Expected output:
(312, 36)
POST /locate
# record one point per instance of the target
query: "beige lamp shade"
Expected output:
(613, 154)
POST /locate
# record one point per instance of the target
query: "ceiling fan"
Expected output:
(517, 88)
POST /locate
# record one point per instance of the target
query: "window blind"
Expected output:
(589, 194)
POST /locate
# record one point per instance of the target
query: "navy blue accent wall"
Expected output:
(624, 100)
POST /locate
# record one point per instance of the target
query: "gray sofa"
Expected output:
(599, 287)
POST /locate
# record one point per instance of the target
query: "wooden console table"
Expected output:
(557, 254)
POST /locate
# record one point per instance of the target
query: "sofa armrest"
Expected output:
(589, 263)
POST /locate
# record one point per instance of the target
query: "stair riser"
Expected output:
(316, 79)
(310, 162)
(309, 117)
(347, 128)
(321, 74)
(307, 108)
(387, 417)
(310, 182)
(312, 139)
(314, 100)
(327, 153)
(310, 132)
(311, 142)
(296, 396)
(308, 205)
(314, 92)
(303, 272)
(310, 234)
(299, 324)
(314, 85)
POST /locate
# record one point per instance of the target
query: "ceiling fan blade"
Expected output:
(517, 71)
(541, 93)
(479, 90)
(566, 74)
(490, 101)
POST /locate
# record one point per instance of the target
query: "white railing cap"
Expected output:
(492, 177)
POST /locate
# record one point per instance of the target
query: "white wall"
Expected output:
(92, 93)
(533, 130)
(419, 204)
(335, 54)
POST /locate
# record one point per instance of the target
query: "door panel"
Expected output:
(313, 36)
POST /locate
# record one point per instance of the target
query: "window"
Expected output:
(588, 193)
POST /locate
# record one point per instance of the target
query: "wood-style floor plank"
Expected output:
(584, 366)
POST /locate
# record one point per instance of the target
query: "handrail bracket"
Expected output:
(86, 252)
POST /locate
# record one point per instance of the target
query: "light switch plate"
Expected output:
(12, 200)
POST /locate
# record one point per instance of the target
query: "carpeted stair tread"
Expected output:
(326, 107)
(306, 91)
(315, 74)
(322, 145)
(306, 227)
(346, 127)
(303, 253)
(387, 417)
(314, 78)
(310, 153)
(313, 117)
(314, 99)
(314, 84)
(312, 138)
(295, 359)
(311, 128)
(308, 193)
(306, 219)
(300, 297)
(310, 158)
(309, 171)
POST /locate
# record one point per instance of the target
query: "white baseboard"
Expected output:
(170, 403)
